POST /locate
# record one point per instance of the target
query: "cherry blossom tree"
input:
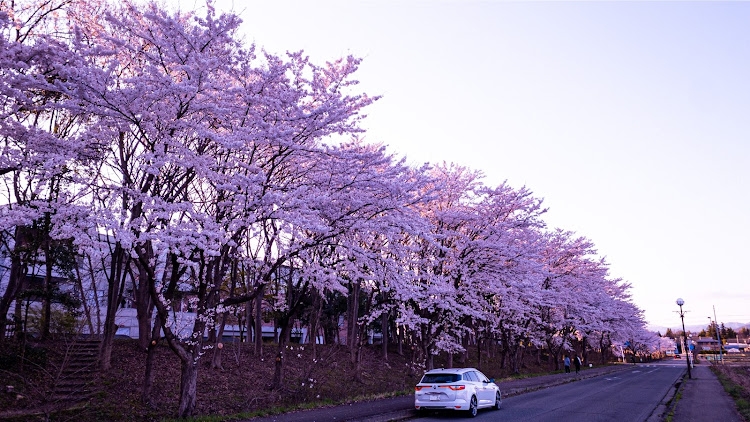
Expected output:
(209, 143)
(478, 247)
(359, 197)
(39, 142)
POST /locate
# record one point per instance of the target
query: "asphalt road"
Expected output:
(630, 395)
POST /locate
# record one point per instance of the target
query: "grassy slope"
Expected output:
(736, 381)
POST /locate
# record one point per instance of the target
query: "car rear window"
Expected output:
(440, 378)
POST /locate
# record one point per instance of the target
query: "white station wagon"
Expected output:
(458, 389)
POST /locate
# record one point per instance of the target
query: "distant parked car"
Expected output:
(464, 389)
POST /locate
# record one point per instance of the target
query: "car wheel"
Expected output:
(473, 407)
(498, 401)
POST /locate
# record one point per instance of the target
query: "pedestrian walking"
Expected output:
(577, 362)
(567, 364)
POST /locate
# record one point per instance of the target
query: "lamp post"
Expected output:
(681, 302)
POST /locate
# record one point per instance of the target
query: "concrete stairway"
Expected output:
(76, 372)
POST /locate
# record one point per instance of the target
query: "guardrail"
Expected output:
(728, 357)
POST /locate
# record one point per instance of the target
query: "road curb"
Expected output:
(667, 403)
(400, 415)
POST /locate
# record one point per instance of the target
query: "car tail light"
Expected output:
(419, 387)
(454, 387)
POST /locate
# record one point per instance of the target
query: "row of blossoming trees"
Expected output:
(167, 153)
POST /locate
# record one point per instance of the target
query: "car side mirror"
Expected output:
(492, 380)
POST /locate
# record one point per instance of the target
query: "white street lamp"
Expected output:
(681, 302)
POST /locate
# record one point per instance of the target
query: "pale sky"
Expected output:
(629, 118)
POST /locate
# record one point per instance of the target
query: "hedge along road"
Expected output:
(629, 395)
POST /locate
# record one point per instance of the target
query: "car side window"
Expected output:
(471, 376)
(481, 377)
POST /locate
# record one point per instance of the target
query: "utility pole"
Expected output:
(718, 336)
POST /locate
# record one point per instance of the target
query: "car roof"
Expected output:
(450, 370)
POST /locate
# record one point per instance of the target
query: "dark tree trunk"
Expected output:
(479, 353)
(554, 353)
(603, 349)
(258, 332)
(360, 334)
(144, 326)
(22, 318)
(585, 350)
(143, 304)
(358, 364)
(462, 357)
(114, 289)
(86, 310)
(504, 351)
(353, 317)
(517, 361)
(216, 359)
(416, 358)
(47, 287)
(189, 353)
(424, 347)
(278, 370)
(148, 378)
(512, 356)
(312, 334)
(384, 334)
(400, 338)
(96, 297)
(11, 293)
(288, 333)
(16, 277)
(188, 384)
(218, 345)
(249, 322)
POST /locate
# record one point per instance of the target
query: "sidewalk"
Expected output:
(401, 408)
(704, 398)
